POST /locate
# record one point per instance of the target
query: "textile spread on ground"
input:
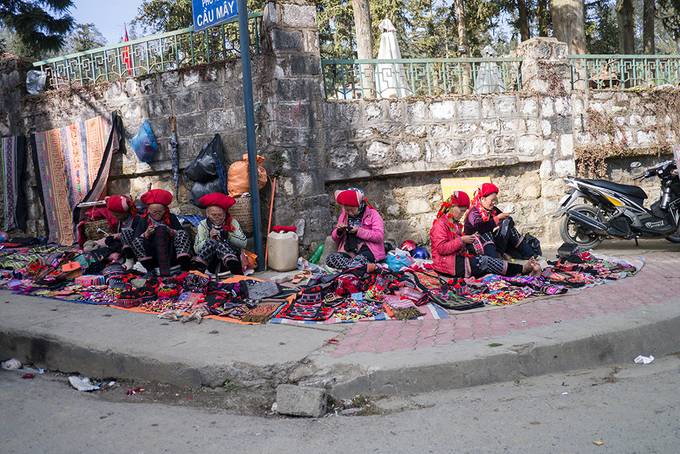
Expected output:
(350, 296)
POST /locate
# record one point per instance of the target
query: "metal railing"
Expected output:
(150, 54)
(601, 72)
(354, 79)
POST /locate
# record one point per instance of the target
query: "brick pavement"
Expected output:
(658, 281)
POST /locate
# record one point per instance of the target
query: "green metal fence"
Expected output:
(623, 71)
(354, 79)
(150, 54)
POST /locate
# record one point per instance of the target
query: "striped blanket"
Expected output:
(74, 163)
(12, 177)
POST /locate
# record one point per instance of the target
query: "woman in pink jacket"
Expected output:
(449, 246)
(359, 233)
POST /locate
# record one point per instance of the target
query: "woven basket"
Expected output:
(242, 211)
(93, 229)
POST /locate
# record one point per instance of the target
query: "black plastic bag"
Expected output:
(207, 164)
(199, 189)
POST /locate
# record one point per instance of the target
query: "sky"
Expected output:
(107, 15)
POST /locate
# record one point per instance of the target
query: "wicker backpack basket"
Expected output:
(242, 211)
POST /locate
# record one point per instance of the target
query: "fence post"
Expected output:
(545, 66)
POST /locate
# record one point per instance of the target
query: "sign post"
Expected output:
(212, 12)
(244, 36)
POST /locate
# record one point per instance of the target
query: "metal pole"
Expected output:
(250, 130)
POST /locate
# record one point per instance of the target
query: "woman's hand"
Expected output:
(467, 239)
(353, 230)
(503, 216)
(214, 234)
(150, 230)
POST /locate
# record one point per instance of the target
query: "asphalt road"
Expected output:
(634, 409)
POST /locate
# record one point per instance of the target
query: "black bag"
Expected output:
(204, 167)
(534, 244)
(198, 190)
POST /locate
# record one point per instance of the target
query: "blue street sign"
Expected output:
(212, 12)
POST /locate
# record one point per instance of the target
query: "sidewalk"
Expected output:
(605, 324)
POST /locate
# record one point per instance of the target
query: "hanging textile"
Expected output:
(74, 163)
(12, 177)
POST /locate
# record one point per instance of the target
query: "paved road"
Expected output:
(632, 410)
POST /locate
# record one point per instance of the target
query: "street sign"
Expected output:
(212, 12)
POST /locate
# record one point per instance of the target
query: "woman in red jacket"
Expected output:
(449, 246)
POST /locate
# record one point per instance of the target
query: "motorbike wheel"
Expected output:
(571, 232)
(675, 238)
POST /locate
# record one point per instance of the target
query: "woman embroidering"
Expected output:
(159, 241)
(359, 233)
(496, 230)
(219, 238)
(449, 246)
(121, 215)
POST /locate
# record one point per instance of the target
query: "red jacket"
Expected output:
(446, 246)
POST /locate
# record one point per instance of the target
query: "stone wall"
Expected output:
(398, 149)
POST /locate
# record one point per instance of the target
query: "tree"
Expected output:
(625, 14)
(569, 24)
(41, 25)
(669, 14)
(602, 31)
(364, 40)
(84, 37)
(543, 17)
(649, 11)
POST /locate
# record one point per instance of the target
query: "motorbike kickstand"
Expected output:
(637, 244)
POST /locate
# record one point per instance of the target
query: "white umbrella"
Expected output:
(489, 78)
(390, 79)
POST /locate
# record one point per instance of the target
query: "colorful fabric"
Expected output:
(12, 177)
(74, 163)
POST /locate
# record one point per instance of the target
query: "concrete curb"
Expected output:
(661, 338)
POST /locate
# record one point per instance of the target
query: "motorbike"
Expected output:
(615, 210)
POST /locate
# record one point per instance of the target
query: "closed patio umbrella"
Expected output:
(390, 79)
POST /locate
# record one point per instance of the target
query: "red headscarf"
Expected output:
(457, 198)
(217, 199)
(121, 204)
(160, 197)
(484, 191)
(352, 197)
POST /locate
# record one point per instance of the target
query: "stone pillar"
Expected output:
(546, 74)
(293, 120)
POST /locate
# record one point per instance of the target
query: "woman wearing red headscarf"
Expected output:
(121, 215)
(495, 229)
(449, 246)
(159, 241)
(219, 238)
(359, 233)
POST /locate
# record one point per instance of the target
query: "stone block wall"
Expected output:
(398, 150)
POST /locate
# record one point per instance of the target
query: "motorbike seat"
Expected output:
(632, 191)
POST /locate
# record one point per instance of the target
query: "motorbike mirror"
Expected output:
(635, 165)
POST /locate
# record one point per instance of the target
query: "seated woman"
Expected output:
(159, 239)
(449, 246)
(121, 215)
(219, 238)
(359, 233)
(496, 230)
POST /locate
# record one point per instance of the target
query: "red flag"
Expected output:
(126, 52)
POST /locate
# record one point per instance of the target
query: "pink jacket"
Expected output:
(372, 232)
(446, 246)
